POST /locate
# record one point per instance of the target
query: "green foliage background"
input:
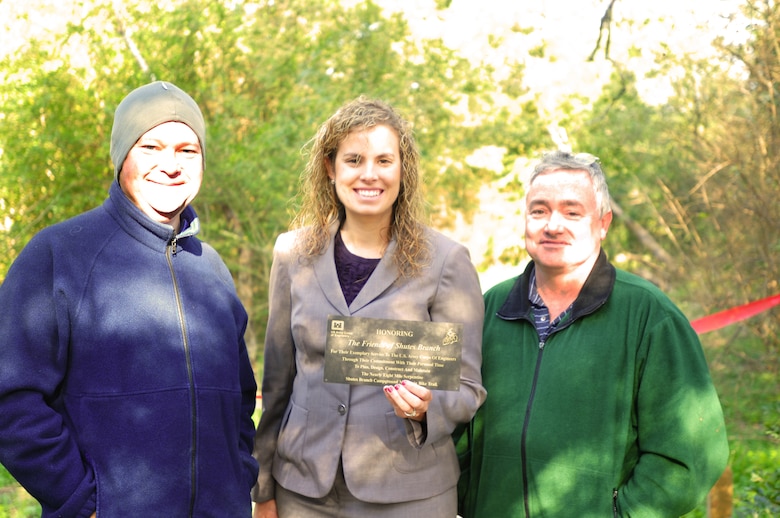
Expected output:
(265, 75)
(696, 181)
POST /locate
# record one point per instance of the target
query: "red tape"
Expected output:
(730, 316)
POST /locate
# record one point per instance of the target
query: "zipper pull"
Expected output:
(614, 502)
(173, 245)
(541, 345)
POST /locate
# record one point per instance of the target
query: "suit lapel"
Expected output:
(383, 277)
(325, 270)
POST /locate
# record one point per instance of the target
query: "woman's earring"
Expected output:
(333, 182)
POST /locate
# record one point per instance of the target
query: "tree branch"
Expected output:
(644, 237)
(604, 27)
(131, 46)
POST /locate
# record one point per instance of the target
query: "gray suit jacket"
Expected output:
(308, 425)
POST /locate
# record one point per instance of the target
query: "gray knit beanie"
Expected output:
(149, 106)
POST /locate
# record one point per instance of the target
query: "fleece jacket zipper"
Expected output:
(169, 254)
(525, 428)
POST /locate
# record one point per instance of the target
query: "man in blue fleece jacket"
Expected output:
(125, 384)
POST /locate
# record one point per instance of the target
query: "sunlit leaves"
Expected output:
(265, 74)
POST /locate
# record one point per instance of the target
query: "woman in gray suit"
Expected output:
(359, 249)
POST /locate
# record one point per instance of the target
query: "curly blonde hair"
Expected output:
(320, 207)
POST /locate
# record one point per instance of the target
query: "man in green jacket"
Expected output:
(599, 400)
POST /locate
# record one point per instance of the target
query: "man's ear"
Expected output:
(606, 220)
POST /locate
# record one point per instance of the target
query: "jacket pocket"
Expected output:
(406, 458)
(292, 435)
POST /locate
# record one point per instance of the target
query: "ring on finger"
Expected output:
(413, 413)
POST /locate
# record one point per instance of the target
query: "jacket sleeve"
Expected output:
(36, 444)
(458, 299)
(248, 403)
(682, 444)
(278, 370)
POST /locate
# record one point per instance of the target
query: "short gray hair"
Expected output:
(564, 160)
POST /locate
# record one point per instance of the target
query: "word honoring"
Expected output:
(395, 332)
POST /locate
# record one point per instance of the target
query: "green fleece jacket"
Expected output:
(614, 415)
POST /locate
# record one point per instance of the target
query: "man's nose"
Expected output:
(554, 223)
(169, 162)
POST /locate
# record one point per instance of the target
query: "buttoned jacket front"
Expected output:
(308, 426)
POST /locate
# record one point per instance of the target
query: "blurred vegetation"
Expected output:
(266, 75)
(695, 181)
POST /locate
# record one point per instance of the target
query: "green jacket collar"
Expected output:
(593, 295)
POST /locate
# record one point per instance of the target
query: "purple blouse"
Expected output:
(353, 270)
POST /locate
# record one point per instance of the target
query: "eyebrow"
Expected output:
(347, 155)
(544, 201)
(146, 140)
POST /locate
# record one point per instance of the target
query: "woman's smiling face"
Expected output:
(367, 172)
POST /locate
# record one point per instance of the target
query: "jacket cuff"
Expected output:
(81, 504)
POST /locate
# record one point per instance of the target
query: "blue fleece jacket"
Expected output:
(125, 384)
